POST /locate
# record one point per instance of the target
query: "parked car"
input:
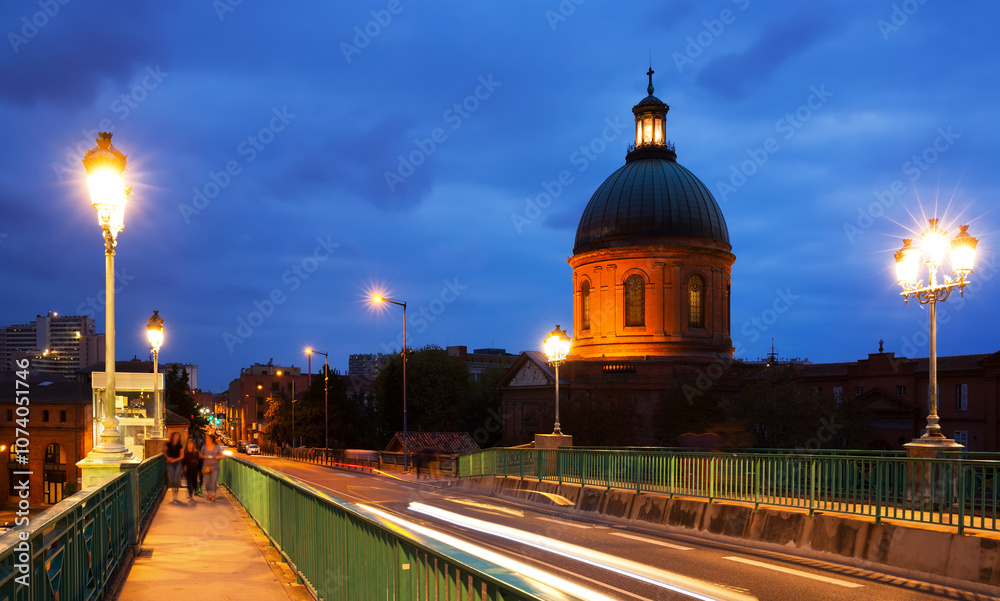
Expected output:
(253, 449)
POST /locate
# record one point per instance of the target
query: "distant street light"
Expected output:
(557, 346)
(105, 165)
(326, 392)
(406, 436)
(932, 246)
(154, 330)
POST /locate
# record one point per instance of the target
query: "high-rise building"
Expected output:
(55, 344)
(366, 364)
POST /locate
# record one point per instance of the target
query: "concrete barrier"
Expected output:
(898, 548)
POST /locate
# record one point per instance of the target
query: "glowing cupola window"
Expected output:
(650, 119)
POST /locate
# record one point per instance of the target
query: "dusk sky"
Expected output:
(314, 152)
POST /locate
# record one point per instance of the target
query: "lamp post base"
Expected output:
(553, 441)
(98, 465)
(931, 447)
(930, 484)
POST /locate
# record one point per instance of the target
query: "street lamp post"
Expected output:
(154, 330)
(326, 394)
(105, 165)
(931, 248)
(557, 346)
(406, 436)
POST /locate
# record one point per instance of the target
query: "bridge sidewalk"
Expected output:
(207, 550)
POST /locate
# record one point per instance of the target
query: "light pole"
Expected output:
(154, 330)
(932, 246)
(326, 393)
(105, 165)
(557, 346)
(406, 436)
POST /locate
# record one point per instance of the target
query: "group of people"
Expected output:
(198, 459)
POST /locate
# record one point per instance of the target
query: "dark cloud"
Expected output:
(735, 75)
(68, 58)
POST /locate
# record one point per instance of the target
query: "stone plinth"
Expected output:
(929, 483)
(553, 441)
(153, 447)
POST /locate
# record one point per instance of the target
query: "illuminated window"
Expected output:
(635, 301)
(585, 306)
(696, 302)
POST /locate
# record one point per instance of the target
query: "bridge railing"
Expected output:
(344, 551)
(955, 491)
(76, 548)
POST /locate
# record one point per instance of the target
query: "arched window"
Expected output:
(635, 301)
(585, 305)
(696, 302)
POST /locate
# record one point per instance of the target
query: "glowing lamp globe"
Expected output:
(557, 345)
(934, 243)
(907, 263)
(154, 330)
(105, 165)
(963, 251)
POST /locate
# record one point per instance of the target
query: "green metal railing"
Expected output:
(955, 492)
(71, 550)
(343, 551)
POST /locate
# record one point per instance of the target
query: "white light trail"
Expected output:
(678, 583)
(544, 578)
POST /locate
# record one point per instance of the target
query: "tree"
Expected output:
(177, 396)
(343, 414)
(782, 411)
(436, 393)
(278, 418)
(484, 420)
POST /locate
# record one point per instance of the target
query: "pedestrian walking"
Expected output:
(191, 462)
(173, 452)
(211, 453)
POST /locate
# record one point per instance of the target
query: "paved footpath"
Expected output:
(203, 550)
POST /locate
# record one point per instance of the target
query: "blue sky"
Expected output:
(265, 147)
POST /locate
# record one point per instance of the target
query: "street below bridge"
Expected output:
(609, 558)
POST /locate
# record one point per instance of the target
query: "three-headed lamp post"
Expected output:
(557, 345)
(105, 165)
(930, 250)
(154, 330)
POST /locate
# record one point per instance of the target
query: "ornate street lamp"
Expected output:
(105, 165)
(931, 250)
(557, 346)
(326, 391)
(406, 436)
(154, 330)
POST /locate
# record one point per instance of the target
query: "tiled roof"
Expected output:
(445, 442)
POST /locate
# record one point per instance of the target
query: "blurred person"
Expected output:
(173, 452)
(192, 465)
(211, 453)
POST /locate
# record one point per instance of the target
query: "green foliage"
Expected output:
(177, 396)
(785, 412)
(483, 418)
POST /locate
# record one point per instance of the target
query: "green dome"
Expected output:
(651, 196)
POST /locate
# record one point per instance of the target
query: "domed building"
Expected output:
(651, 267)
(652, 259)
